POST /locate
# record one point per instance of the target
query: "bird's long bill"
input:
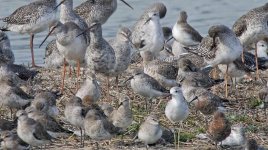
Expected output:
(169, 39)
(195, 98)
(167, 49)
(127, 4)
(59, 4)
(47, 36)
(147, 20)
(128, 79)
(128, 39)
(86, 29)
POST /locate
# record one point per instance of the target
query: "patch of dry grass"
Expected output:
(242, 109)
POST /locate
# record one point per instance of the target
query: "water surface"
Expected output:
(201, 15)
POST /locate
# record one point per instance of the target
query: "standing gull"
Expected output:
(32, 18)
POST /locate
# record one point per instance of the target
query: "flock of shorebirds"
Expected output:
(178, 59)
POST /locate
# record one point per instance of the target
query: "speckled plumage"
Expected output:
(137, 28)
(67, 14)
(96, 10)
(100, 54)
(178, 48)
(53, 58)
(122, 49)
(32, 18)
(252, 26)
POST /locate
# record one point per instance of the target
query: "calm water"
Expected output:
(201, 15)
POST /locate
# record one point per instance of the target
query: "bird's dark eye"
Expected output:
(262, 45)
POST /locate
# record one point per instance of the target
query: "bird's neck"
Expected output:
(114, 4)
(262, 53)
(181, 21)
(177, 98)
(96, 36)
